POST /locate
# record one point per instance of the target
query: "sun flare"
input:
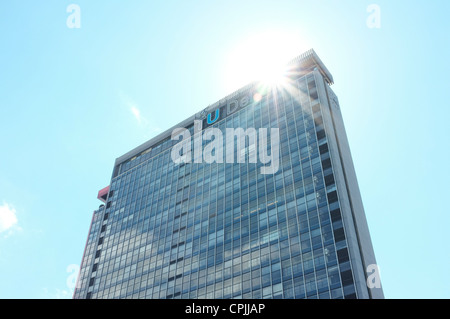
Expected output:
(262, 57)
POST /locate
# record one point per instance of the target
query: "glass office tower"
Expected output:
(226, 230)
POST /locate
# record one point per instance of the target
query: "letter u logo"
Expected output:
(216, 117)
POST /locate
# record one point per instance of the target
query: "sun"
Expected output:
(272, 74)
(262, 57)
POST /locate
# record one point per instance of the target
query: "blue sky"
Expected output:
(74, 99)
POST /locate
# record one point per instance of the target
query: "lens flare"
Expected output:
(262, 57)
(257, 97)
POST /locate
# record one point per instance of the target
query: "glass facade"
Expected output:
(220, 230)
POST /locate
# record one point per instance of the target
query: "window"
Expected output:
(329, 180)
(347, 278)
(320, 134)
(339, 234)
(332, 197)
(326, 163)
(335, 215)
(342, 255)
(323, 148)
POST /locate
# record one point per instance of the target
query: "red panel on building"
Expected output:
(103, 194)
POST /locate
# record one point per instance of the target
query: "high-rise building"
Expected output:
(206, 217)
